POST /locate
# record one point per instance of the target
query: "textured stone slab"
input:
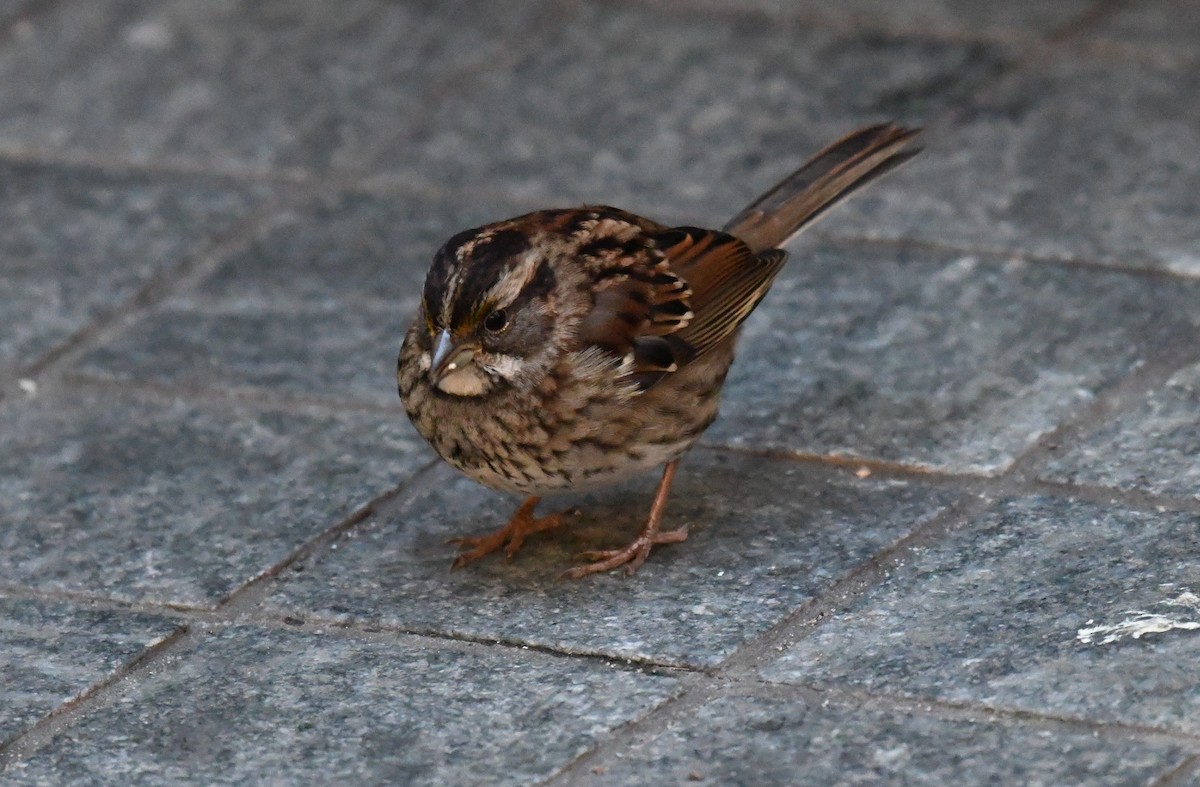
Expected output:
(1078, 159)
(77, 243)
(347, 248)
(973, 17)
(1044, 605)
(1157, 25)
(676, 112)
(266, 84)
(317, 306)
(52, 653)
(764, 537)
(766, 741)
(946, 362)
(333, 352)
(11, 10)
(1155, 447)
(174, 503)
(274, 707)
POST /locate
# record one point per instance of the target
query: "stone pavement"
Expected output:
(946, 530)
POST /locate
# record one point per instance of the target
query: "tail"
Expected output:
(824, 181)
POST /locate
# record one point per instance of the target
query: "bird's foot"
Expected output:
(631, 556)
(511, 536)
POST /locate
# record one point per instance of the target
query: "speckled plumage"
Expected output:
(580, 420)
(569, 349)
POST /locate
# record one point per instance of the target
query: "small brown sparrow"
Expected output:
(569, 349)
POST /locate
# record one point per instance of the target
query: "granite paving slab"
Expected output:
(944, 361)
(348, 248)
(1154, 447)
(1044, 605)
(176, 503)
(331, 352)
(250, 705)
(1076, 158)
(10, 12)
(1190, 777)
(77, 243)
(964, 17)
(1160, 27)
(317, 305)
(765, 536)
(277, 84)
(659, 110)
(748, 740)
(51, 653)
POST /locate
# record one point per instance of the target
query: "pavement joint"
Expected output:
(31, 154)
(1185, 773)
(37, 736)
(1016, 480)
(1088, 20)
(969, 711)
(225, 612)
(157, 287)
(254, 396)
(996, 254)
(834, 18)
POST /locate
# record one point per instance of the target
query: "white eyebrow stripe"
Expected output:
(448, 298)
(514, 279)
(454, 283)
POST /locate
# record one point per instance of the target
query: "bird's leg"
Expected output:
(633, 555)
(522, 523)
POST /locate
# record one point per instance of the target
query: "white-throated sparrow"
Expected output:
(568, 349)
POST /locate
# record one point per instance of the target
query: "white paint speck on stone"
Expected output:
(1138, 623)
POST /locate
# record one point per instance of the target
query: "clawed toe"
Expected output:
(631, 556)
(523, 523)
(510, 537)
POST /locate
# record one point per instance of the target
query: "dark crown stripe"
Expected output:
(488, 260)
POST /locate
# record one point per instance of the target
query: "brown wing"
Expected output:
(726, 278)
(665, 297)
(636, 292)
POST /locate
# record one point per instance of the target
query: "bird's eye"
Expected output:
(496, 321)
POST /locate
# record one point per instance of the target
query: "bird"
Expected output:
(569, 349)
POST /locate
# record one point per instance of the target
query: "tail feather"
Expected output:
(824, 181)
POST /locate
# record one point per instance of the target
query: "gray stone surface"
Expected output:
(1043, 605)
(1190, 776)
(76, 243)
(658, 110)
(51, 653)
(178, 503)
(334, 352)
(1154, 447)
(965, 17)
(1157, 26)
(318, 305)
(266, 84)
(1090, 160)
(347, 248)
(164, 456)
(765, 741)
(10, 12)
(950, 363)
(253, 706)
(752, 556)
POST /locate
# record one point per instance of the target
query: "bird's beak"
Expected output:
(448, 356)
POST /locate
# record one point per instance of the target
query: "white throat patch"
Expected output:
(467, 381)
